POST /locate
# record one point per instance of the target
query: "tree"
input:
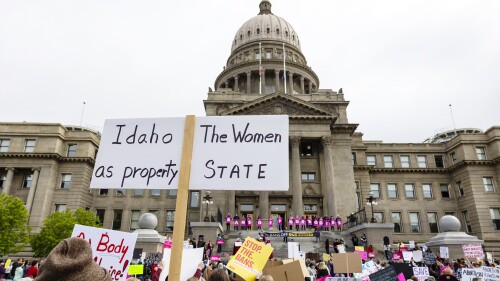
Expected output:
(14, 229)
(59, 226)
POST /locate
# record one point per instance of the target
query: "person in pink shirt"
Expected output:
(259, 223)
(339, 223)
(280, 223)
(249, 223)
(236, 222)
(309, 222)
(315, 222)
(243, 222)
(303, 223)
(326, 222)
(332, 223)
(270, 223)
(320, 223)
(290, 222)
(297, 223)
(228, 221)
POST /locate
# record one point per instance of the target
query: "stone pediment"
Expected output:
(280, 104)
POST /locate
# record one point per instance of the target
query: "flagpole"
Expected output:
(260, 68)
(284, 68)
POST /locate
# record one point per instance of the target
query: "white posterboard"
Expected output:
(293, 250)
(443, 252)
(417, 256)
(469, 274)
(473, 251)
(412, 244)
(190, 260)
(227, 153)
(110, 249)
(407, 255)
(422, 273)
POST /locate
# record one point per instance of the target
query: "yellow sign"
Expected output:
(250, 259)
(136, 269)
(359, 248)
(7, 263)
(326, 257)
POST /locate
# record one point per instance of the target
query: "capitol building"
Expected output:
(332, 168)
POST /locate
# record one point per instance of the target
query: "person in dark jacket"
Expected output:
(327, 246)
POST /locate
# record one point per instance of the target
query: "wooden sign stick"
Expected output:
(174, 273)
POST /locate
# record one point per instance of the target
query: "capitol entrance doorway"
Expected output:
(279, 210)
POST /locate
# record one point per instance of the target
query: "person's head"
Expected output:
(34, 263)
(193, 279)
(447, 271)
(322, 265)
(266, 278)
(218, 275)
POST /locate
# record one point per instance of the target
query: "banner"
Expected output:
(359, 248)
(145, 153)
(473, 251)
(111, 249)
(250, 259)
(288, 234)
(443, 252)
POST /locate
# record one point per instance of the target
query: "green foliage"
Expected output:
(59, 226)
(14, 229)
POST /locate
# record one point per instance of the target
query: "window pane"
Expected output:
(488, 184)
(414, 223)
(172, 192)
(396, 219)
(61, 207)
(103, 191)
(169, 221)
(3, 179)
(409, 190)
(100, 214)
(392, 190)
(138, 192)
(460, 188)
(246, 207)
(375, 189)
(481, 153)
(306, 149)
(379, 216)
(308, 176)
(427, 189)
(433, 222)
(155, 192)
(445, 191)
(66, 181)
(72, 150)
(117, 219)
(29, 145)
(422, 161)
(4, 145)
(405, 161)
(370, 160)
(354, 158)
(468, 226)
(28, 180)
(134, 219)
(195, 199)
(495, 218)
(439, 160)
(388, 161)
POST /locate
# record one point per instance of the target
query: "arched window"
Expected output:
(248, 33)
(293, 37)
(241, 37)
(268, 30)
(258, 31)
(277, 31)
(286, 33)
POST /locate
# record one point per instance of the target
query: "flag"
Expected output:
(261, 70)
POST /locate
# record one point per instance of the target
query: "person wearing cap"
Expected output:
(71, 260)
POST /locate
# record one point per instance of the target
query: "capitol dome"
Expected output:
(265, 26)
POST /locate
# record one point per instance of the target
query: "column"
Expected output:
(31, 193)
(224, 85)
(290, 82)
(8, 180)
(263, 81)
(236, 83)
(264, 204)
(329, 196)
(302, 89)
(277, 80)
(297, 205)
(249, 74)
(231, 201)
(310, 87)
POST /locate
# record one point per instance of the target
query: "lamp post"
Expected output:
(207, 199)
(370, 200)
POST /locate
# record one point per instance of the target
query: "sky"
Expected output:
(400, 63)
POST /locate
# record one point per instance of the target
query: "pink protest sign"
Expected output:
(363, 254)
(220, 242)
(372, 255)
(473, 251)
(403, 249)
(167, 244)
(111, 249)
(397, 256)
(401, 277)
(215, 258)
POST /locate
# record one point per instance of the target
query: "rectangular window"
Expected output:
(72, 150)
(138, 192)
(414, 222)
(103, 192)
(269, 54)
(449, 213)
(28, 181)
(310, 207)
(308, 176)
(29, 145)
(488, 184)
(120, 192)
(257, 54)
(409, 190)
(3, 179)
(155, 192)
(246, 207)
(388, 161)
(445, 190)
(379, 216)
(467, 224)
(460, 188)
(306, 149)
(172, 193)
(427, 190)
(195, 199)
(433, 222)
(405, 161)
(439, 160)
(279, 54)
(422, 161)
(278, 208)
(495, 218)
(453, 157)
(375, 189)
(117, 219)
(65, 180)
(392, 190)
(354, 162)
(371, 160)
(396, 219)
(481, 152)
(61, 207)
(134, 219)
(169, 221)
(4, 145)
(99, 213)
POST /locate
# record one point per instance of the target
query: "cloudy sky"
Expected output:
(400, 63)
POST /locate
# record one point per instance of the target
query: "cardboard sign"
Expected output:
(422, 273)
(189, 264)
(168, 244)
(145, 153)
(473, 251)
(136, 269)
(417, 256)
(363, 255)
(443, 252)
(372, 255)
(386, 274)
(286, 270)
(111, 249)
(341, 248)
(7, 263)
(347, 263)
(250, 259)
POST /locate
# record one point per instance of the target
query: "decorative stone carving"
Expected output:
(309, 190)
(327, 141)
(295, 141)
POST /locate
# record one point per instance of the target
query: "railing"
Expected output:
(355, 219)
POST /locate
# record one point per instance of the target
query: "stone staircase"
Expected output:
(307, 244)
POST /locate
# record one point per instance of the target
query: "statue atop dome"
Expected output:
(265, 7)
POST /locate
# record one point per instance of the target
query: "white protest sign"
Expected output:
(190, 260)
(422, 273)
(367, 268)
(417, 256)
(293, 250)
(227, 153)
(412, 244)
(473, 251)
(443, 252)
(111, 249)
(342, 279)
(491, 273)
(468, 274)
(407, 255)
